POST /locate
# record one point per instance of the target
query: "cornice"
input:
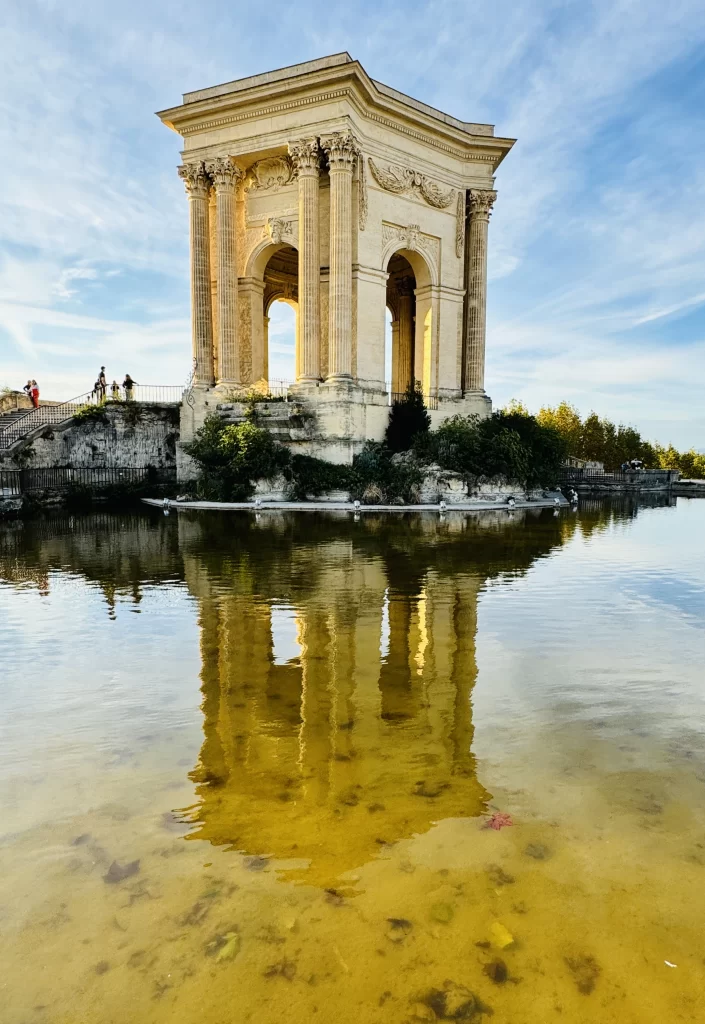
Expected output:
(348, 81)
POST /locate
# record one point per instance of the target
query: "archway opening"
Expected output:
(280, 313)
(280, 323)
(401, 302)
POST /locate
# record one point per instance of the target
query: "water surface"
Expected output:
(247, 764)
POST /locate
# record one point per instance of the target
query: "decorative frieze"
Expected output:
(400, 180)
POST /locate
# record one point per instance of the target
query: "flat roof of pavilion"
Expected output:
(322, 64)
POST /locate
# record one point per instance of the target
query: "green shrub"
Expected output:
(90, 414)
(408, 418)
(378, 476)
(233, 456)
(311, 477)
(510, 445)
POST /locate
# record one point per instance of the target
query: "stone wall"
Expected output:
(124, 436)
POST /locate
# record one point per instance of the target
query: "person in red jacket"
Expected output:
(34, 394)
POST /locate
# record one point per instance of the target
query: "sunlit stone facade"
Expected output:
(319, 186)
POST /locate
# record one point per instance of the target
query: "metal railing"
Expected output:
(430, 401)
(573, 474)
(48, 415)
(64, 478)
(10, 486)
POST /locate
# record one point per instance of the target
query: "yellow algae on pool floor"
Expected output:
(266, 800)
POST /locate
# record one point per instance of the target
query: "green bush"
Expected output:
(408, 418)
(511, 445)
(90, 414)
(233, 456)
(378, 476)
(311, 477)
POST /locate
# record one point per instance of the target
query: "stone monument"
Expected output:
(343, 197)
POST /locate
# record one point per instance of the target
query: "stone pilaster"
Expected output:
(341, 150)
(480, 203)
(305, 155)
(225, 175)
(405, 347)
(197, 185)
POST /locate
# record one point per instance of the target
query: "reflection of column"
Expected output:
(197, 185)
(225, 175)
(480, 205)
(464, 675)
(405, 348)
(315, 740)
(342, 152)
(305, 155)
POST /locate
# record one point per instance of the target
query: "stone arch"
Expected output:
(422, 262)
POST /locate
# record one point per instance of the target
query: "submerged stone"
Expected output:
(585, 970)
(119, 872)
(496, 970)
(398, 929)
(538, 851)
(442, 912)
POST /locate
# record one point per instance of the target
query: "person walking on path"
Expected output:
(34, 394)
(128, 385)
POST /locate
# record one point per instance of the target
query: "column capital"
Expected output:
(305, 154)
(224, 173)
(481, 201)
(195, 180)
(341, 149)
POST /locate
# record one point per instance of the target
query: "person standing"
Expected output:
(103, 384)
(28, 388)
(128, 385)
(34, 394)
(115, 390)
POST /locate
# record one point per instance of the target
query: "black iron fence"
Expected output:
(574, 475)
(14, 483)
(430, 401)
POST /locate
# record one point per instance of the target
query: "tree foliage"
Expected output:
(408, 418)
(509, 444)
(600, 440)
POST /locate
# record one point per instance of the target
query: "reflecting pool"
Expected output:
(292, 767)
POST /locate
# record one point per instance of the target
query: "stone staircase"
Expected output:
(16, 425)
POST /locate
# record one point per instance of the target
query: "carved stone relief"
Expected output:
(271, 173)
(400, 180)
(411, 237)
(281, 230)
(460, 225)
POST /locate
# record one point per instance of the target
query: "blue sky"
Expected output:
(597, 261)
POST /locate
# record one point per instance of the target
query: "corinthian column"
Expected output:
(225, 175)
(305, 157)
(197, 186)
(342, 153)
(479, 205)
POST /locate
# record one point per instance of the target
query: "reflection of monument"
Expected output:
(365, 737)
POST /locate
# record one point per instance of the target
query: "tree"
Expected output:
(407, 419)
(565, 418)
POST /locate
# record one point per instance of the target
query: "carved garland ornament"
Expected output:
(361, 192)
(460, 224)
(400, 180)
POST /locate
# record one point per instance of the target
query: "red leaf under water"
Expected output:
(498, 821)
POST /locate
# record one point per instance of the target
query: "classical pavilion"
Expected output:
(316, 185)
